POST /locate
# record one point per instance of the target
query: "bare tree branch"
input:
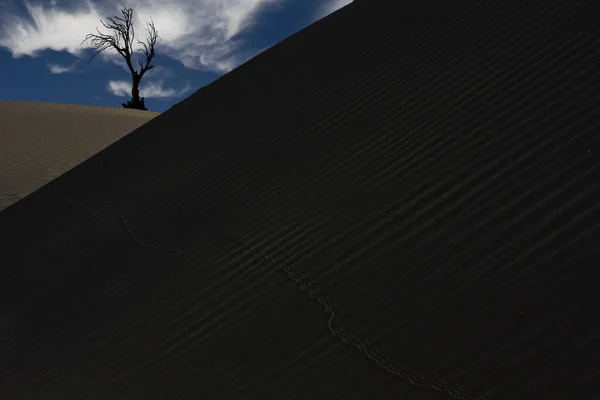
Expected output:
(148, 48)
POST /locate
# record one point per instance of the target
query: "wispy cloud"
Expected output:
(202, 34)
(330, 6)
(61, 69)
(51, 28)
(163, 71)
(151, 89)
(58, 69)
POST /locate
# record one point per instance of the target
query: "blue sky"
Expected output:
(42, 57)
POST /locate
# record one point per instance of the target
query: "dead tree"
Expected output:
(122, 41)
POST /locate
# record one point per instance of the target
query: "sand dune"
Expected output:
(40, 141)
(382, 206)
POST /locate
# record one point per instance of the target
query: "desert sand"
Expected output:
(389, 204)
(40, 141)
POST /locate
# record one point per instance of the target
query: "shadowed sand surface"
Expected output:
(40, 141)
(390, 204)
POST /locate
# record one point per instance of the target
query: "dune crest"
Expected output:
(40, 141)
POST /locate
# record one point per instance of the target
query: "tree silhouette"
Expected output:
(124, 32)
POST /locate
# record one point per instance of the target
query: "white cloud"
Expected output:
(202, 34)
(61, 69)
(162, 71)
(147, 89)
(48, 29)
(330, 6)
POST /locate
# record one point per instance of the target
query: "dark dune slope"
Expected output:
(388, 204)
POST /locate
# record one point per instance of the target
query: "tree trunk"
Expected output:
(135, 102)
(135, 92)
